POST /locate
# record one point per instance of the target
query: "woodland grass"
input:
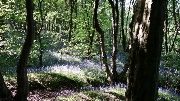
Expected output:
(164, 96)
(52, 80)
(112, 94)
(87, 76)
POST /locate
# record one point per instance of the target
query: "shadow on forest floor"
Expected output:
(69, 78)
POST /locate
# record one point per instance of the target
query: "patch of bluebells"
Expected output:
(62, 63)
(169, 78)
(168, 91)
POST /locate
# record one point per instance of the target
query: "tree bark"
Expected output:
(5, 94)
(38, 32)
(166, 33)
(2, 39)
(115, 25)
(22, 79)
(146, 50)
(102, 45)
(70, 19)
(90, 32)
(122, 26)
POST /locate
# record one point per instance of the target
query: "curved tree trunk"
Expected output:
(22, 79)
(146, 50)
(102, 45)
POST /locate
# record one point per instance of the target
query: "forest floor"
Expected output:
(72, 78)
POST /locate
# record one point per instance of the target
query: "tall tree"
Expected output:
(111, 76)
(115, 25)
(71, 4)
(38, 32)
(102, 44)
(146, 50)
(22, 79)
(166, 32)
(91, 32)
(122, 25)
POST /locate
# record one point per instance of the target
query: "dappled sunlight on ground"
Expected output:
(66, 57)
(89, 92)
(66, 76)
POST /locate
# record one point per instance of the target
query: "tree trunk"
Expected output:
(5, 94)
(102, 45)
(22, 79)
(2, 39)
(91, 37)
(49, 25)
(115, 23)
(39, 34)
(131, 59)
(146, 50)
(90, 33)
(70, 20)
(166, 33)
(122, 26)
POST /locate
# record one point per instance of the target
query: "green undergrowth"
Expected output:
(170, 75)
(53, 81)
(164, 96)
(112, 94)
(58, 80)
(171, 60)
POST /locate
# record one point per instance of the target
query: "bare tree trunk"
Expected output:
(22, 79)
(115, 23)
(39, 34)
(100, 31)
(122, 26)
(70, 20)
(91, 37)
(146, 50)
(90, 32)
(166, 32)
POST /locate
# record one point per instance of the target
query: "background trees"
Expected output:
(78, 28)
